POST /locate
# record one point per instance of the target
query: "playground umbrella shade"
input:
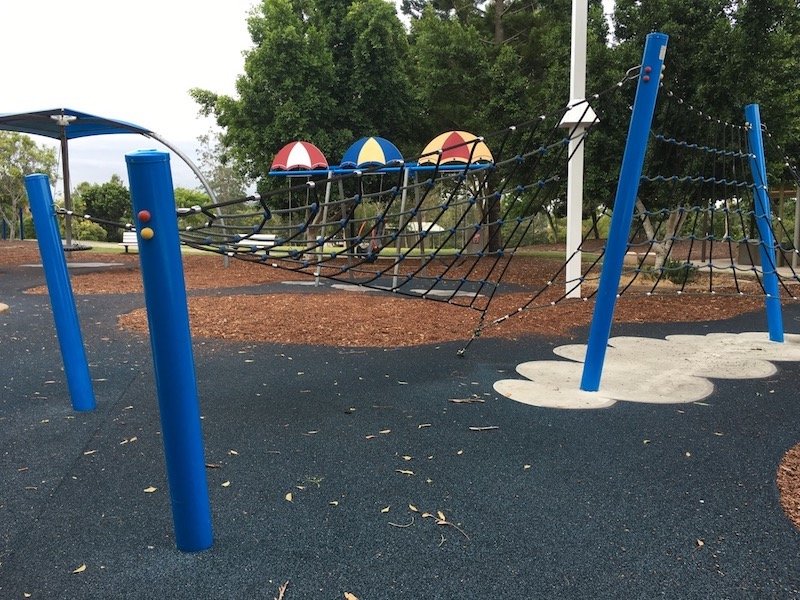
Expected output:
(371, 152)
(456, 147)
(65, 124)
(299, 156)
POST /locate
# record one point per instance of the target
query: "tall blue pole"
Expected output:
(628, 186)
(763, 215)
(62, 300)
(168, 320)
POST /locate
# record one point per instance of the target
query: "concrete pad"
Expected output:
(349, 287)
(82, 265)
(446, 293)
(552, 384)
(678, 369)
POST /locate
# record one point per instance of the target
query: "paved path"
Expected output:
(631, 501)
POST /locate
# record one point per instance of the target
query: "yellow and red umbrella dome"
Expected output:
(456, 147)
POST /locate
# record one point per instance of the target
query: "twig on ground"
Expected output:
(471, 400)
(454, 526)
(282, 590)
(402, 526)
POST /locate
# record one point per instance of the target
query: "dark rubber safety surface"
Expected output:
(633, 501)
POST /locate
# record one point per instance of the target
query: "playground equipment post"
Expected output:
(628, 186)
(763, 216)
(62, 300)
(170, 338)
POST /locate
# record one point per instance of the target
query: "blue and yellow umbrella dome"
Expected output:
(371, 152)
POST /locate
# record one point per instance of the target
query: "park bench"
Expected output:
(129, 241)
(257, 240)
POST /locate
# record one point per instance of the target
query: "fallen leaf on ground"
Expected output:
(385, 510)
(288, 497)
(150, 490)
(404, 471)
(488, 428)
(80, 569)
(349, 596)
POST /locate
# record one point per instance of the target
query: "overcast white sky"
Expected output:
(132, 61)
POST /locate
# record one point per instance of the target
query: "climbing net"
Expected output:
(443, 227)
(446, 226)
(696, 226)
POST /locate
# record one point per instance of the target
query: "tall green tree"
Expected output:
(326, 72)
(186, 198)
(451, 79)
(220, 171)
(765, 66)
(20, 156)
(110, 201)
(377, 99)
(285, 92)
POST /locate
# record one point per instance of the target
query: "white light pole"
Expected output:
(575, 120)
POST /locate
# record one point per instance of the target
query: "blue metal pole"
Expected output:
(763, 215)
(628, 186)
(168, 319)
(62, 300)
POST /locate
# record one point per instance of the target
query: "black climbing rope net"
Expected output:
(446, 226)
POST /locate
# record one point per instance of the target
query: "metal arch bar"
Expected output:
(186, 160)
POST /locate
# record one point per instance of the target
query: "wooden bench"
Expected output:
(129, 241)
(257, 240)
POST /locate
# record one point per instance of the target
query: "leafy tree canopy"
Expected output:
(110, 201)
(330, 71)
(20, 156)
